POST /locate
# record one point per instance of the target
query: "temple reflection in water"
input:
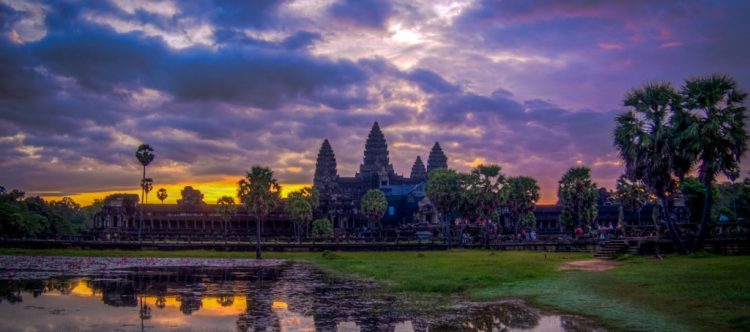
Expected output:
(219, 299)
(289, 297)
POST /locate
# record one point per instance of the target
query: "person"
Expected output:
(533, 235)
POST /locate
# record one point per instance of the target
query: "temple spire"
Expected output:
(325, 169)
(437, 158)
(376, 152)
(418, 172)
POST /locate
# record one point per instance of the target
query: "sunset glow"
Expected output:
(211, 191)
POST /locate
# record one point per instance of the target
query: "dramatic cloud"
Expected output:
(217, 86)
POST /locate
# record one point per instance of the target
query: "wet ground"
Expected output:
(113, 294)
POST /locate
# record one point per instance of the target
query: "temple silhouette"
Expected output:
(340, 196)
(340, 201)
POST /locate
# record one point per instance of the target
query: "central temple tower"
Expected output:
(376, 167)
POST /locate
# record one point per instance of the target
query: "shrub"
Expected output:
(322, 228)
(327, 254)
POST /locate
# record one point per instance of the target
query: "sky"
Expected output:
(218, 86)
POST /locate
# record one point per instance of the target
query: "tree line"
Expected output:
(22, 216)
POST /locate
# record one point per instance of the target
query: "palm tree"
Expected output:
(374, 205)
(260, 192)
(147, 184)
(161, 194)
(482, 193)
(444, 190)
(714, 132)
(227, 209)
(644, 137)
(145, 155)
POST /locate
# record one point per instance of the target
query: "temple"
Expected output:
(340, 202)
(340, 196)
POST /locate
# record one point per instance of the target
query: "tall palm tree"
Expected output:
(714, 132)
(644, 136)
(260, 192)
(444, 190)
(145, 155)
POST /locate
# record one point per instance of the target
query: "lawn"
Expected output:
(678, 293)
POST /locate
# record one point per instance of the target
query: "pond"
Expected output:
(78, 294)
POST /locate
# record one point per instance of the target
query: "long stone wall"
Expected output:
(636, 246)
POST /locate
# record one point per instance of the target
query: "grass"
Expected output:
(678, 293)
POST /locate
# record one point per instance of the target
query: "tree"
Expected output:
(577, 194)
(192, 199)
(16, 220)
(65, 217)
(313, 197)
(743, 201)
(695, 194)
(444, 191)
(644, 137)
(374, 206)
(485, 190)
(145, 155)
(631, 196)
(299, 209)
(147, 184)
(725, 201)
(260, 192)
(713, 132)
(322, 228)
(522, 193)
(161, 194)
(90, 212)
(227, 209)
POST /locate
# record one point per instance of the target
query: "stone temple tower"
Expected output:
(326, 175)
(418, 172)
(376, 168)
(437, 158)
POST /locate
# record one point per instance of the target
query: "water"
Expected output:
(282, 297)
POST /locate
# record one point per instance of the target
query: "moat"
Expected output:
(109, 294)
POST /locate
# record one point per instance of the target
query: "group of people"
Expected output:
(603, 232)
(525, 235)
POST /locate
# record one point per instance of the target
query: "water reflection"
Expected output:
(290, 297)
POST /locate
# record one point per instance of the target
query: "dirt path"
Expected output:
(596, 264)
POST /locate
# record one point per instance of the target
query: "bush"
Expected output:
(327, 254)
(322, 228)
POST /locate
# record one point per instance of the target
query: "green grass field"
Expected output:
(678, 293)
